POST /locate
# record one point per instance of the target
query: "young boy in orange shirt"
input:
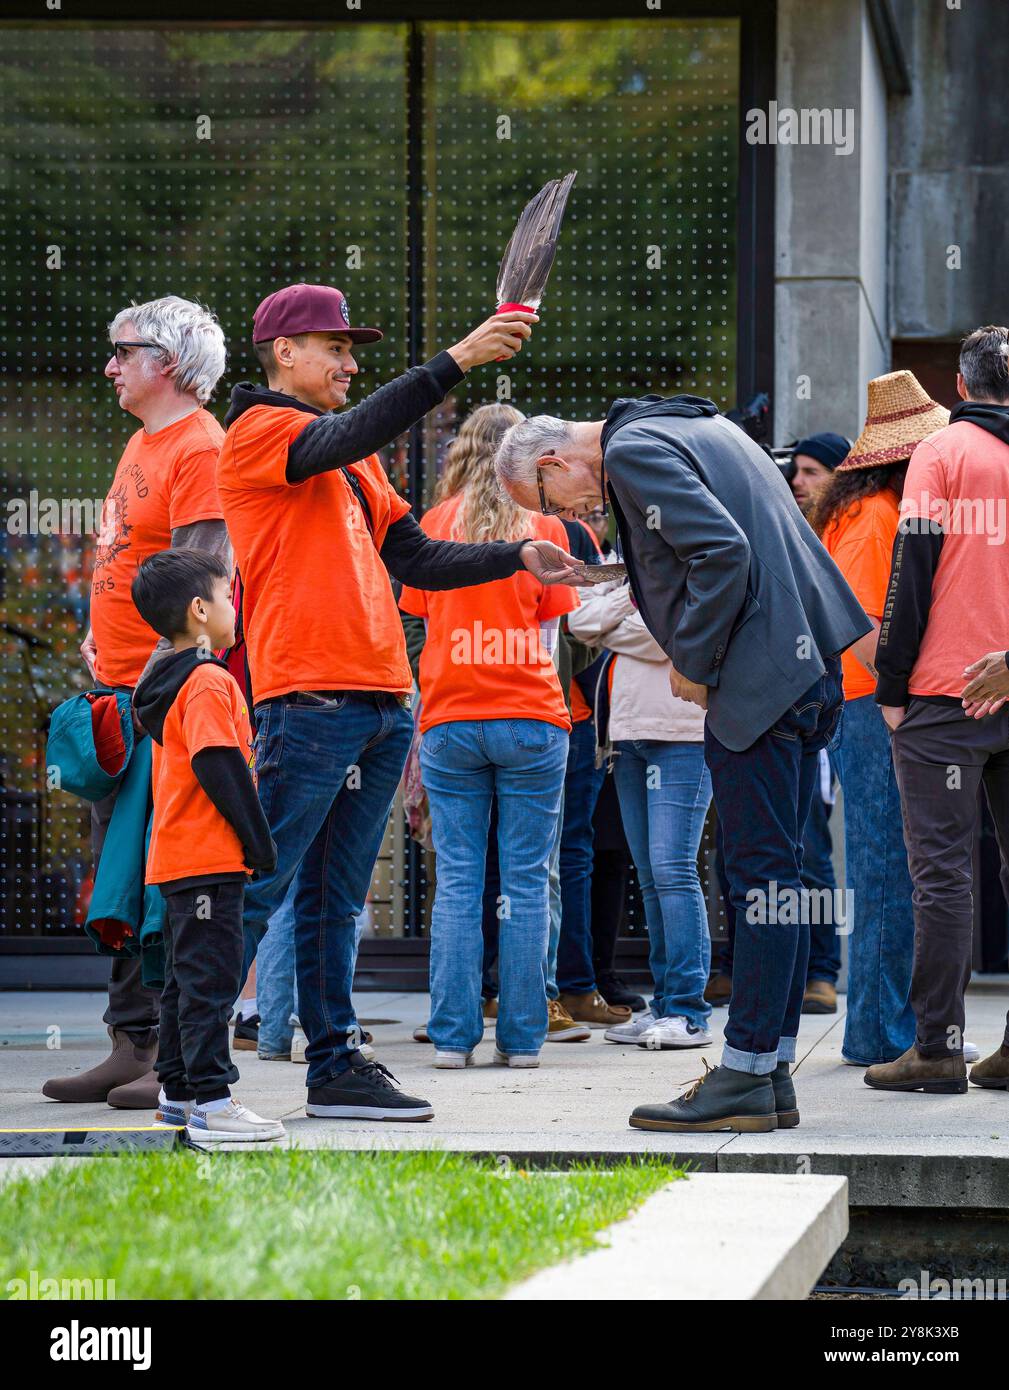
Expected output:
(209, 834)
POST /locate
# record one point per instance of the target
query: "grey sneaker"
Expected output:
(631, 1031)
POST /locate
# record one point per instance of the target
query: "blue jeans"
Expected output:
(879, 1025)
(492, 888)
(465, 765)
(762, 797)
(817, 873)
(582, 784)
(328, 771)
(665, 790)
(276, 988)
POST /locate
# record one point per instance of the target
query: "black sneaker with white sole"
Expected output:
(365, 1092)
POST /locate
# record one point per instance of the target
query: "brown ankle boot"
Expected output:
(718, 990)
(128, 1061)
(913, 1072)
(592, 1008)
(993, 1072)
(141, 1094)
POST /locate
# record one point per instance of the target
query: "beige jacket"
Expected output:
(642, 704)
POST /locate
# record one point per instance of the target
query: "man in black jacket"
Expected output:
(752, 612)
(317, 529)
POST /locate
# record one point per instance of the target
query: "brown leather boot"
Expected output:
(820, 998)
(993, 1072)
(141, 1094)
(128, 1061)
(913, 1072)
(718, 989)
(592, 1008)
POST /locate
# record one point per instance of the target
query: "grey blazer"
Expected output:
(730, 579)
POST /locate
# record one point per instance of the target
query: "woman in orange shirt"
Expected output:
(856, 517)
(494, 724)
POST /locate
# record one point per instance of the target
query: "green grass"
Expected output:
(309, 1224)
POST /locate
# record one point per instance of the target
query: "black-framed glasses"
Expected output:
(122, 348)
(544, 508)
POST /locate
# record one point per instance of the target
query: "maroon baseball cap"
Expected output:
(306, 309)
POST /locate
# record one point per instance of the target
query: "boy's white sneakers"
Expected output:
(632, 1030)
(674, 1032)
(232, 1124)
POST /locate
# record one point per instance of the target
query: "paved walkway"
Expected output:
(894, 1149)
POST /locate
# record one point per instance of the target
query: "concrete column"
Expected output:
(831, 329)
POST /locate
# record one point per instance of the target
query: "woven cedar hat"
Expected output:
(901, 414)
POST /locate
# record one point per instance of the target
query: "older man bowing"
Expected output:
(753, 614)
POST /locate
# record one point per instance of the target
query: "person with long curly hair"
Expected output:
(494, 727)
(856, 517)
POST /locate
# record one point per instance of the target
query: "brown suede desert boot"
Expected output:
(718, 989)
(912, 1072)
(128, 1061)
(993, 1072)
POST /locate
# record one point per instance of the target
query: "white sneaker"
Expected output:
(631, 1031)
(233, 1124)
(971, 1052)
(522, 1059)
(449, 1060)
(172, 1114)
(674, 1032)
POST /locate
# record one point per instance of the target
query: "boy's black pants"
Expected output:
(203, 975)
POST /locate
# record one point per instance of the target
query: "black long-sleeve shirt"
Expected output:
(335, 440)
(916, 550)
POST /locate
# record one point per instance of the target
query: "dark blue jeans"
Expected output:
(582, 783)
(328, 771)
(817, 873)
(762, 797)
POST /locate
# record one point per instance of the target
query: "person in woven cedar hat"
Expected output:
(947, 602)
(855, 515)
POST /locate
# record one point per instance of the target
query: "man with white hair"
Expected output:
(167, 357)
(753, 614)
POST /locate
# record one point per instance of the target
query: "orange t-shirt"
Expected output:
(483, 658)
(189, 835)
(860, 542)
(164, 480)
(318, 606)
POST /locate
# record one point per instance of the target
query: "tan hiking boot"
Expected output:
(718, 989)
(993, 1072)
(489, 1009)
(913, 1072)
(592, 1008)
(561, 1027)
(141, 1094)
(128, 1061)
(820, 998)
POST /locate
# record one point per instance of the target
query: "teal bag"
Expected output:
(70, 747)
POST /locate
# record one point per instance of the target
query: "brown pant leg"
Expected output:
(939, 758)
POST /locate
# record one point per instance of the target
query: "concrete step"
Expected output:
(710, 1236)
